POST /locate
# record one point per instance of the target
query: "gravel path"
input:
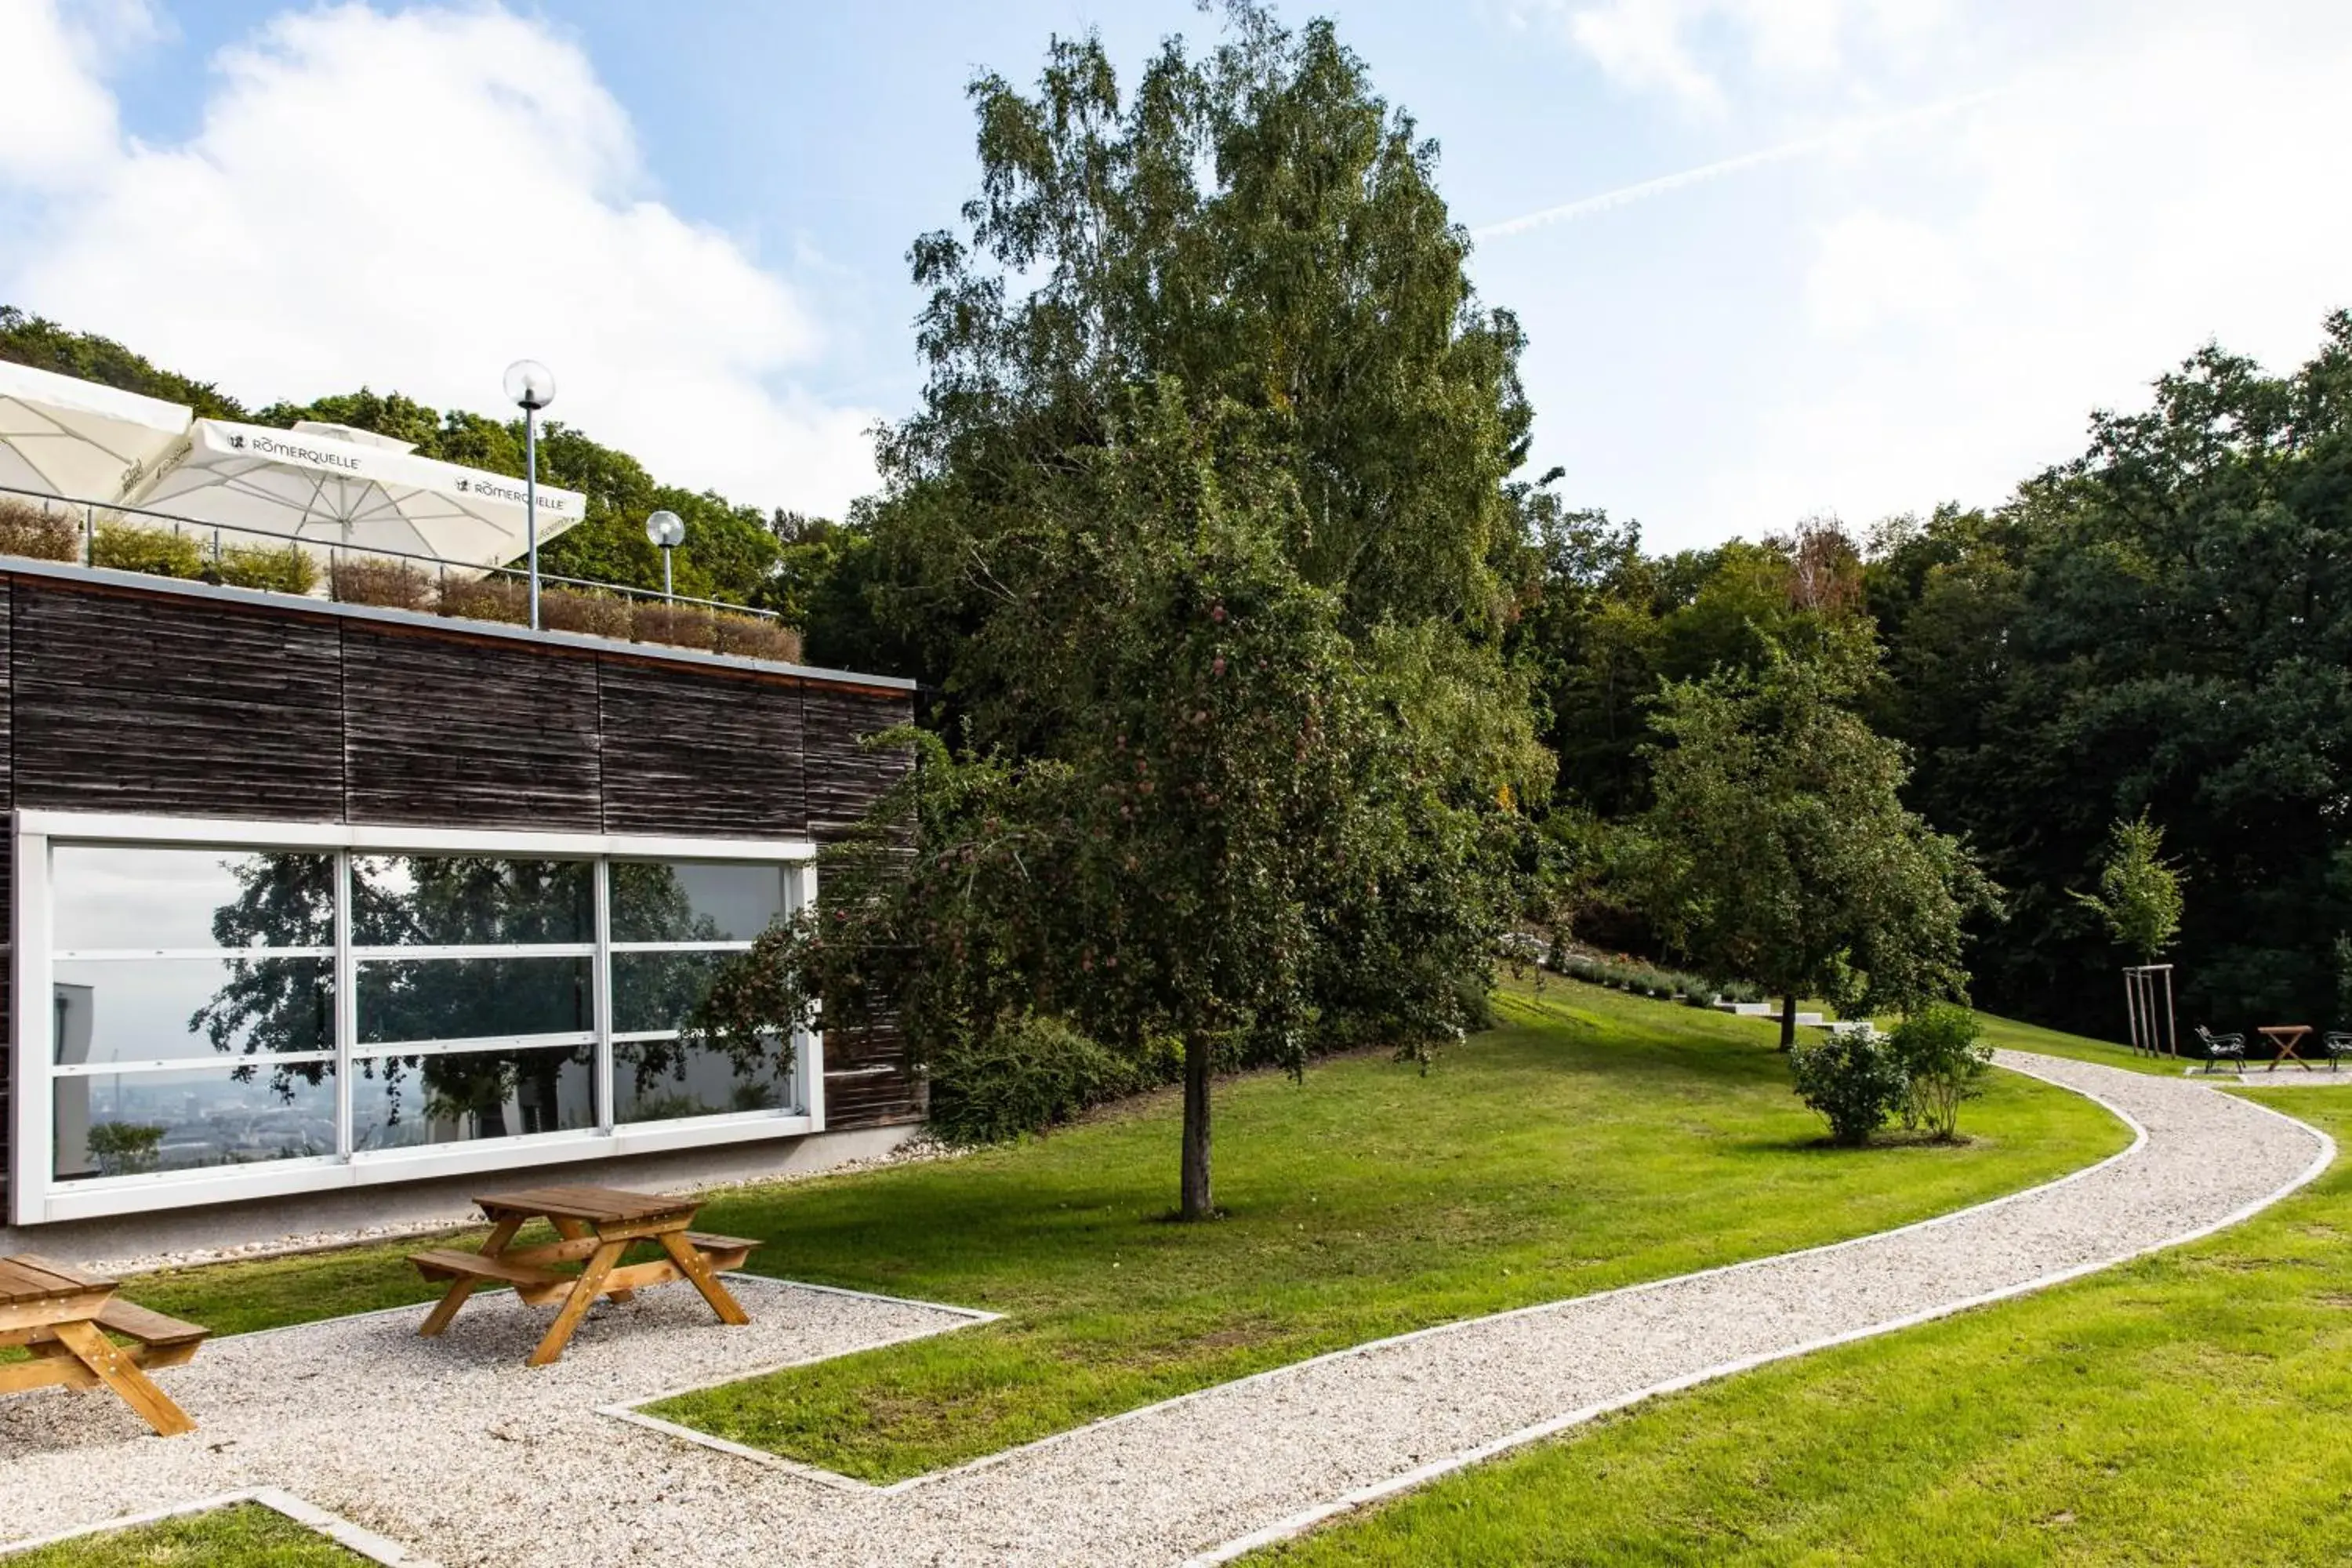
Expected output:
(456, 1449)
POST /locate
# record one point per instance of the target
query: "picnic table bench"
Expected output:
(64, 1317)
(595, 1226)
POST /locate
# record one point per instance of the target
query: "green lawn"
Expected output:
(2193, 1407)
(2020, 1036)
(1593, 1140)
(247, 1536)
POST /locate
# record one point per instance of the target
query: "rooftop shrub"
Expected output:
(755, 636)
(43, 535)
(679, 626)
(389, 585)
(159, 552)
(598, 615)
(491, 598)
(287, 569)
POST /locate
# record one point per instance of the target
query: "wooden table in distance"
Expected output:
(2285, 1039)
(596, 1224)
(63, 1316)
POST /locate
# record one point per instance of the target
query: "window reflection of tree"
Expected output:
(275, 1005)
(663, 990)
(475, 901)
(284, 1004)
(272, 1005)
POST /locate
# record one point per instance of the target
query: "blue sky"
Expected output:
(1937, 232)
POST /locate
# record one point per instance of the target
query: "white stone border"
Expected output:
(633, 1411)
(836, 1480)
(1305, 1519)
(365, 1543)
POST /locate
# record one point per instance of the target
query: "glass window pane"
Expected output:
(134, 895)
(471, 998)
(661, 990)
(451, 900)
(167, 1009)
(662, 1080)
(121, 1124)
(694, 901)
(399, 1102)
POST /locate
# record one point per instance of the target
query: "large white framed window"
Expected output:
(238, 1009)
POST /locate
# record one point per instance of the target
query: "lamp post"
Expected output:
(532, 386)
(667, 530)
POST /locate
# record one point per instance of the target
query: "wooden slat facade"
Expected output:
(185, 701)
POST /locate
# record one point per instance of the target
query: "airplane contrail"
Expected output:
(1625, 195)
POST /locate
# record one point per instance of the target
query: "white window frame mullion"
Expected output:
(188, 1063)
(347, 1005)
(377, 1050)
(808, 1045)
(458, 952)
(601, 981)
(32, 1085)
(175, 954)
(628, 947)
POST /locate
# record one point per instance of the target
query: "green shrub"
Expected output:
(1742, 991)
(1943, 1064)
(35, 532)
(290, 569)
(678, 626)
(490, 598)
(598, 615)
(389, 584)
(126, 547)
(1852, 1079)
(1024, 1078)
(755, 636)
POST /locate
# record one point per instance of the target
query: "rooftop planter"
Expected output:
(30, 532)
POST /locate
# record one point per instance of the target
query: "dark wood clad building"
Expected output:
(308, 896)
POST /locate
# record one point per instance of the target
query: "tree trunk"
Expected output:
(1787, 1023)
(1196, 1128)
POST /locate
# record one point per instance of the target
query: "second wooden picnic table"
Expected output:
(597, 1226)
(2286, 1042)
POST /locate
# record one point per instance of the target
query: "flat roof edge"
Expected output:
(458, 626)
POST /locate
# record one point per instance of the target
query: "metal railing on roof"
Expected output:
(336, 550)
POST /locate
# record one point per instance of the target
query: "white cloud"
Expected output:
(2075, 239)
(1640, 43)
(56, 119)
(1690, 49)
(1873, 271)
(413, 201)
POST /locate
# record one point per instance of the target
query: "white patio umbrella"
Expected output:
(64, 437)
(329, 485)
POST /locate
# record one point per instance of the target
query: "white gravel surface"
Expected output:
(456, 1449)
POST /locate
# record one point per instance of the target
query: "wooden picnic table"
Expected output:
(63, 1316)
(597, 1226)
(2285, 1041)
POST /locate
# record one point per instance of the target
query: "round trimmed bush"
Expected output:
(1852, 1080)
